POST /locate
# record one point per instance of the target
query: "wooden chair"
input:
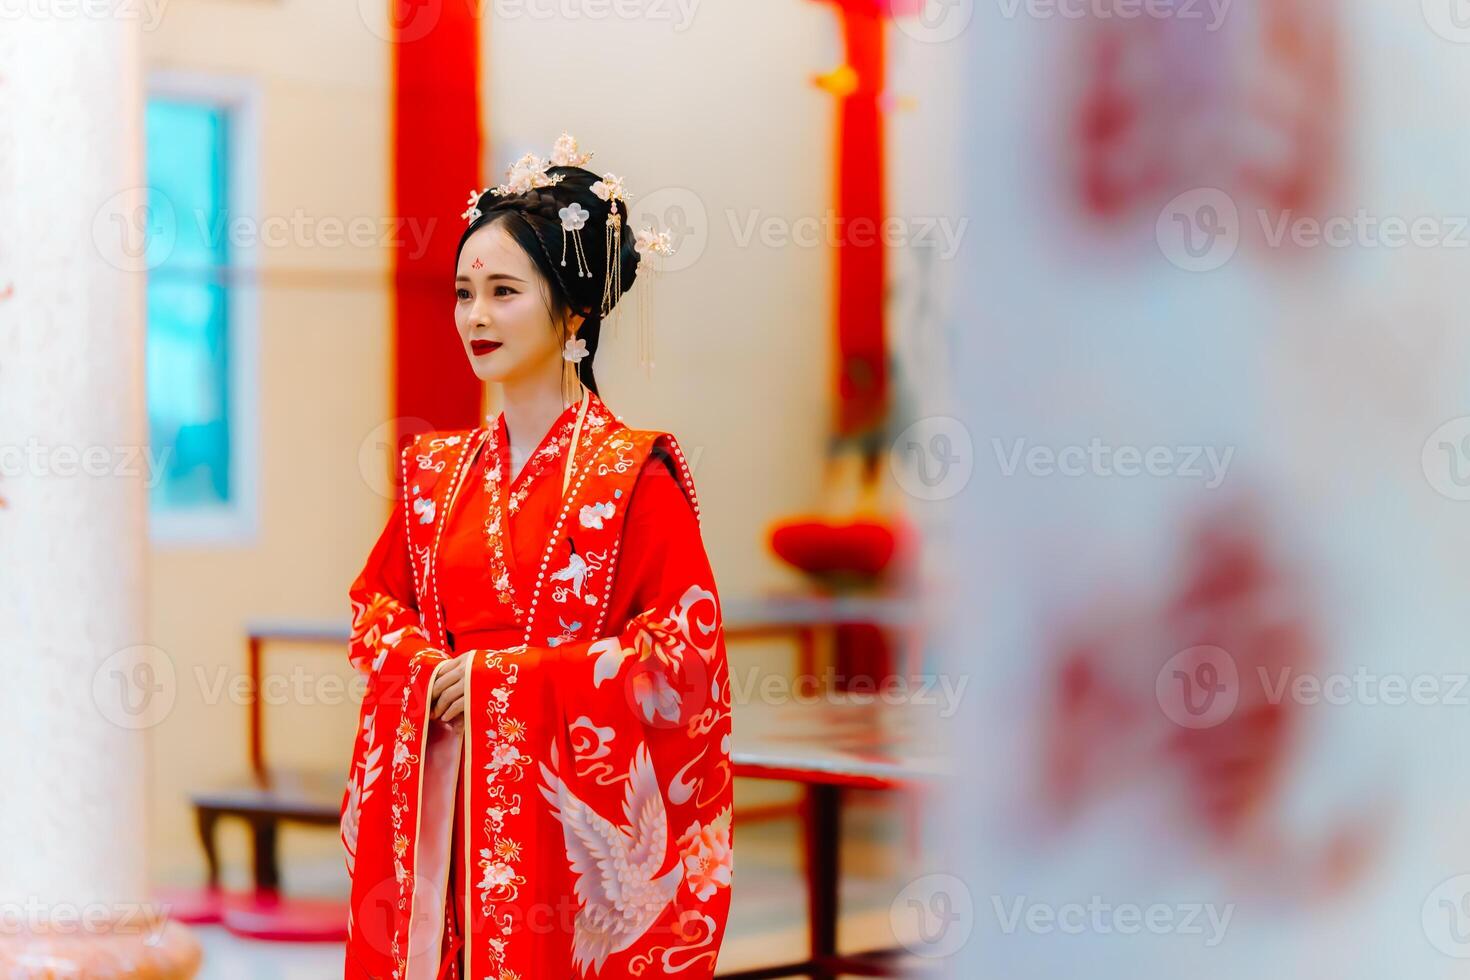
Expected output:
(269, 799)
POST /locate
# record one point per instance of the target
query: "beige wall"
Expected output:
(724, 109)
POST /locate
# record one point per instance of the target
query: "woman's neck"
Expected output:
(530, 409)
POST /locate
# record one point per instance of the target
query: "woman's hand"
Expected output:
(446, 699)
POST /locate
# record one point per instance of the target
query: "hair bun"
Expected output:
(541, 207)
(533, 219)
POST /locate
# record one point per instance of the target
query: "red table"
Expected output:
(827, 743)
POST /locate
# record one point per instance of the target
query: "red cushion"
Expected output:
(822, 548)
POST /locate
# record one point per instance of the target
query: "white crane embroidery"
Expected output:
(619, 895)
(575, 572)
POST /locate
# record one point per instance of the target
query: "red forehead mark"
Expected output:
(478, 264)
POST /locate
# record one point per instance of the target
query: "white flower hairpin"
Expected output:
(472, 213)
(527, 173)
(566, 154)
(573, 217)
(610, 188)
(649, 239)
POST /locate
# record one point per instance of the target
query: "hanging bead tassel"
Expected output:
(584, 270)
(613, 248)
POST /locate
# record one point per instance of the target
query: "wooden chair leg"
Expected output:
(267, 868)
(207, 819)
(823, 828)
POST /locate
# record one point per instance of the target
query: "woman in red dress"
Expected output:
(540, 785)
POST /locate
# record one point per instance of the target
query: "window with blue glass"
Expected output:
(189, 370)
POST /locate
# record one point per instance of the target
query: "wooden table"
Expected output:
(827, 744)
(812, 619)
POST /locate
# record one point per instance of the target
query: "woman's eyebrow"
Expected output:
(497, 275)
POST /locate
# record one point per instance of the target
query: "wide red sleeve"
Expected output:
(388, 644)
(385, 613)
(661, 540)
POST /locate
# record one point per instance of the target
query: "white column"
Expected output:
(72, 526)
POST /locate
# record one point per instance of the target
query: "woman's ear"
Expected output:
(574, 323)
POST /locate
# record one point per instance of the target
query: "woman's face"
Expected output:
(502, 310)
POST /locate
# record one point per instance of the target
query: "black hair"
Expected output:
(533, 221)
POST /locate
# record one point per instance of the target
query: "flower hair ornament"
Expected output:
(610, 189)
(649, 241)
(573, 217)
(529, 173)
(575, 350)
(566, 154)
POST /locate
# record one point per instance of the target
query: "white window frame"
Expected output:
(238, 522)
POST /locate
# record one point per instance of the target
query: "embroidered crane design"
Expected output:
(615, 865)
(575, 572)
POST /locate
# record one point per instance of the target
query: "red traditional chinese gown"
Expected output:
(578, 824)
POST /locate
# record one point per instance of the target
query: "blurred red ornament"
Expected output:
(858, 550)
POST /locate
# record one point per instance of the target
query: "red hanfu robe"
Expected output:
(578, 824)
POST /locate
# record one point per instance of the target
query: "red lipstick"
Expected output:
(478, 347)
